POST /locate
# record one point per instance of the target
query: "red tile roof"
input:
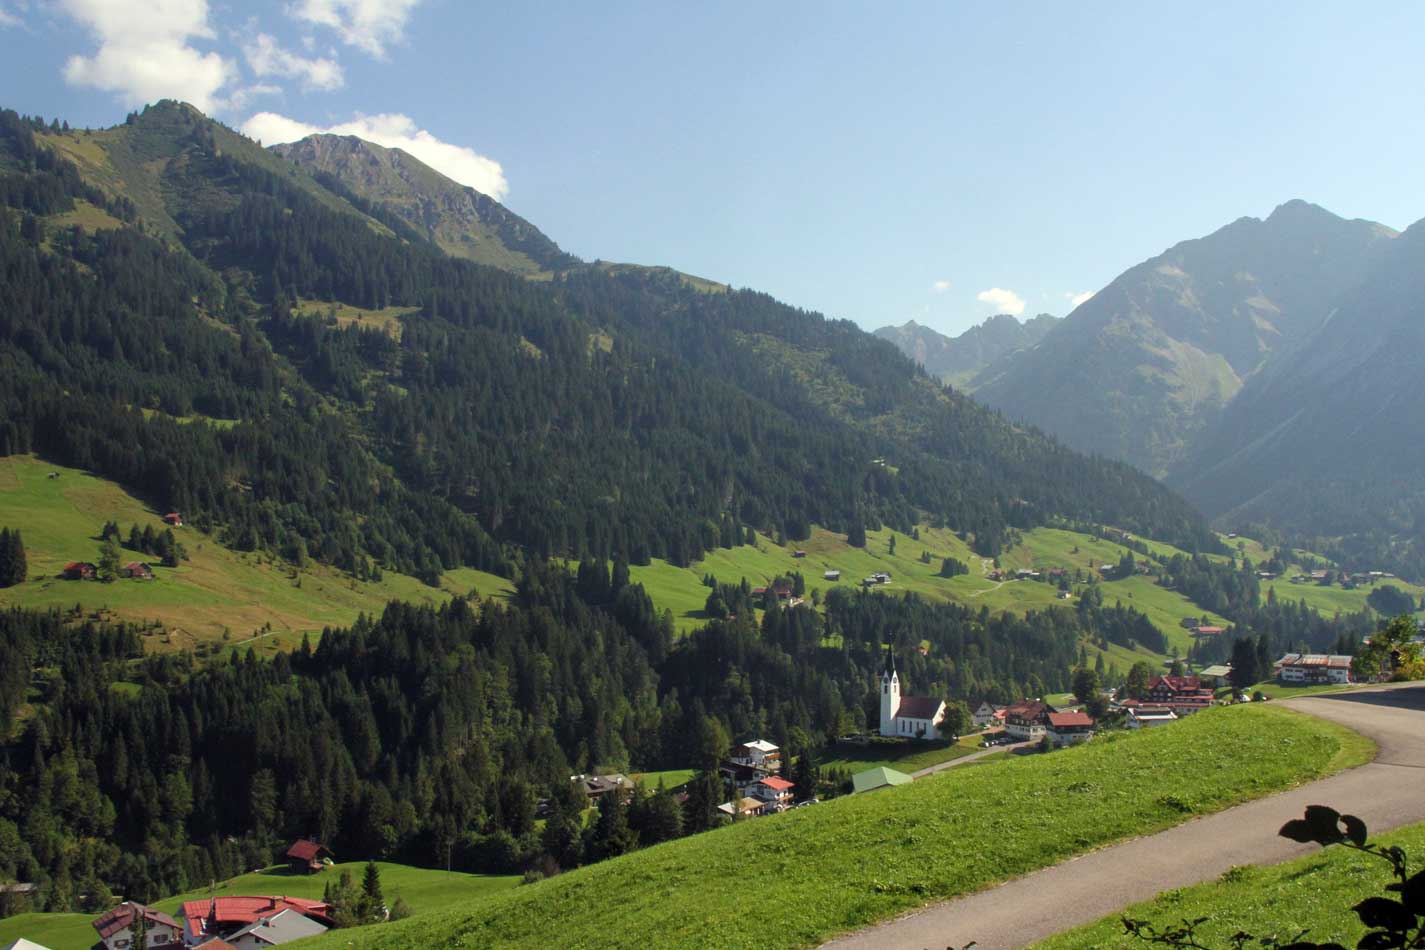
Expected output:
(777, 784)
(123, 916)
(226, 911)
(1065, 720)
(1177, 684)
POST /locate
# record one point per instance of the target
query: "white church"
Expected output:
(909, 717)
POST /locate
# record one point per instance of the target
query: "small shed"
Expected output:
(305, 856)
(79, 571)
(880, 777)
(173, 519)
(138, 570)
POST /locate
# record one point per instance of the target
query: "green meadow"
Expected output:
(425, 890)
(891, 851)
(216, 595)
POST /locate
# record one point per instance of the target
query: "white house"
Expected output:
(1027, 719)
(116, 928)
(757, 754)
(984, 714)
(909, 717)
(1070, 728)
(1313, 668)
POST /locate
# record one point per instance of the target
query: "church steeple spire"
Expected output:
(890, 665)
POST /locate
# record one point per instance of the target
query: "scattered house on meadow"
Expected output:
(1207, 630)
(1313, 668)
(1144, 717)
(173, 519)
(225, 917)
(1065, 595)
(306, 856)
(879, 777)
(1070, 728)
(116, 928)
(1026, 574)
(909, 717)
(79, 571)
(757, 754)
(984, 713)
(137, 570)
(831, 576)
(597, 786)
(799, 554)
(1027, 719)
(282, 927)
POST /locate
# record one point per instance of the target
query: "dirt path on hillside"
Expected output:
(1387, 793)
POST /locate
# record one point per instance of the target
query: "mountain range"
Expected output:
(1258, 369)
(958, 360)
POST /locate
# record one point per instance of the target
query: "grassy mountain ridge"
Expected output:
(460, 220)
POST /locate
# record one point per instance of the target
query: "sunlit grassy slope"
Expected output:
(217, 592)
(815, 872)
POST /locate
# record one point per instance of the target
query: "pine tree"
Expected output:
(612, 835)
(373, 902)
(109, 558)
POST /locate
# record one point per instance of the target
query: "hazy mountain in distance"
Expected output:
(956, 360)
(1142, 369)
(460, 220)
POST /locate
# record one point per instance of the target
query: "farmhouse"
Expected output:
(1027, 719)
(1314, 668)
(227, 917)
(984, 713)
(305, 856)
(79, 571)
(916, 717)
(137, 570)
(1070, 728)
(116, 928)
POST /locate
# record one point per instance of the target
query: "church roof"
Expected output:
(919, 707)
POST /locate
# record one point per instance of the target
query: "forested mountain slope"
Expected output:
(956, 360)
(1143, 368)
(610, 411)
(1323, 442)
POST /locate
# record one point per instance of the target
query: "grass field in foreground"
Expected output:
(1314, 893)
(814, 872)
(216, 590)
(424, 889)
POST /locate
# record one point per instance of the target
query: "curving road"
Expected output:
(1387, 792)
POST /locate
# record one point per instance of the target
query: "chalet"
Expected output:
(1070, 728)
(774, 792)
(116, 928)
(984, 713)
(1313, 668)
(223, 918)
(1027, 719)
(1145, 717)
(1208, 631)
(758, 754)
(137, 570)
(597, 786)
(305, 856)
(831, 576)
(79, 571)
(882, 777)
(1161, 689)
(173, 519)
(909, 717)
(746, 806)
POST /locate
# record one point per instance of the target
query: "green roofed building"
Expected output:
(880, 777)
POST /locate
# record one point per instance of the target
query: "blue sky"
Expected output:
(880, 162)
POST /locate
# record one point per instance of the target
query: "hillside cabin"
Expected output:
(306, 856)
(173, 519)
(137, 570)
(79, 571)
(831, 576)
(116, 928)
(596, 787)
(1313, 668)
(1208, 631)
(1070, 728)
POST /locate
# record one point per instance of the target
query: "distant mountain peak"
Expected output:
(956, 360)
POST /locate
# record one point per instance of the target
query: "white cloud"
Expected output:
(393, 130)
(1076, 299)
(366, 24)
(266, 57)
(8, 18)
(145, 53)
(1004, 301)
(940, 286)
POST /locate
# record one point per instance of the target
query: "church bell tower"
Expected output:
(890, 694)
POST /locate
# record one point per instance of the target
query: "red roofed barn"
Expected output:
(306, 855)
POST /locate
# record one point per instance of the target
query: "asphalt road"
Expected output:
(1387, 793)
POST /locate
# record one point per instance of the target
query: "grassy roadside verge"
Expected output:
(821, 871)
(1314, 893)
